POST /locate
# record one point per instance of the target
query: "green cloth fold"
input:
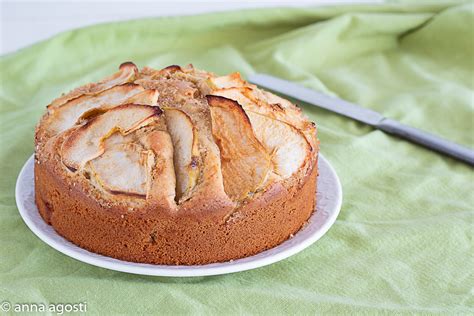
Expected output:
(403, 242)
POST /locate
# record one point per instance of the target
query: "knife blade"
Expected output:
(364, 115)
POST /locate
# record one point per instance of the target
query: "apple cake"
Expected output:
(176, 166)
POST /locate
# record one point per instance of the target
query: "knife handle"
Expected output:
(428, 140)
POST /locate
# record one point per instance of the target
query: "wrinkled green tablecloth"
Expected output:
(404, 239)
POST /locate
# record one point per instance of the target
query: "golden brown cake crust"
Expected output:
(164, 238)
(173, 218)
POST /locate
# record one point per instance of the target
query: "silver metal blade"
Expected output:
(312, 97)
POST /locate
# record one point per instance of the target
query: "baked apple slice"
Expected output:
(233, 80)
(128, 71)
(162, 186)
(147, 97)
(245, 163)
(250, 91)
(275, 106)
(237, 94)
(270, 105)
(67, 115)
(123, 169)
(186, 152)
(86, 142)
(287, 146)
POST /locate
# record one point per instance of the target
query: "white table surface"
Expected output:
(23, 23)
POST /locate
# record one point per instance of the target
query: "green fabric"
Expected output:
(404, 239)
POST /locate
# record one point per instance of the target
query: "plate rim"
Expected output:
(233, 266)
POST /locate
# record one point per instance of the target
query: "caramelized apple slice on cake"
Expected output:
(287, 146)
(162, 185)
(230, 81)
(127, 73)
(234, 80)
(245, 163)
(123, 169)
(254, 100)
(86, 142)
(186, 152)
(67, 115)
(147, 97)
(275, 121)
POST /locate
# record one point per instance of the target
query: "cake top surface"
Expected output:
(175, 135)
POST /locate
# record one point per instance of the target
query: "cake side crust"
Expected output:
(181, 238)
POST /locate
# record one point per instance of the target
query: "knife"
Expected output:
(364, 115)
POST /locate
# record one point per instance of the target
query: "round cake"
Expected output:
(175, 166)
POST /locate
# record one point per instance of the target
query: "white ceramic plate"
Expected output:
(329, 198)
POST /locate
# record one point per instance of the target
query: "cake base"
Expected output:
(184, 238)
